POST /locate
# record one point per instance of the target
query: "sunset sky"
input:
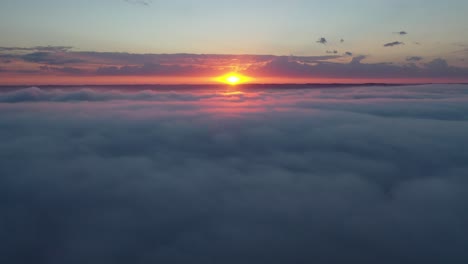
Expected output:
(233, 131)
(184, 41)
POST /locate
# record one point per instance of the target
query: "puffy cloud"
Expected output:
(322, 41)
(402, 33)
(340, 175)
(437, 64)
(392, 44)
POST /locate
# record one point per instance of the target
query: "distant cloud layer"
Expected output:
(170, 175)
(41, 61)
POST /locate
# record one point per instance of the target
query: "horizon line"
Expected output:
(244, 84)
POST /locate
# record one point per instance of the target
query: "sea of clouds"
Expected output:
(335, 175)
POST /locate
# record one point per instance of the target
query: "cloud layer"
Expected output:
(215, 175)
(41, 62)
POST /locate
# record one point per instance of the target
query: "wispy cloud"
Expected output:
(414, 58)
(139, 2)
(401, 33)
(392, 44)
(37, 48)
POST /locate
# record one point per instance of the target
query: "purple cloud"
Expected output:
(414, 58)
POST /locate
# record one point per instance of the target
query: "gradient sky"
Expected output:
(436, 30)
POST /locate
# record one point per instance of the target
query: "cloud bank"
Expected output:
(19, 63)
(214, 175)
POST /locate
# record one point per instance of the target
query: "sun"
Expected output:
(233, 78)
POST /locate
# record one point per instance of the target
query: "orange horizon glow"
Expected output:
(13, 79)
(234, 78)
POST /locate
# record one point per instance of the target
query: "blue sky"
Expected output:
(255, 27)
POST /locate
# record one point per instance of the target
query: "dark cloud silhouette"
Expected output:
(392, 44)
(342, 175)
(348, 53)
(440, 68)
(402, 33)
(341, 40)
(322, 41)
(414, 58)
(49, 58)
(332, 51)
(358, 59)
(438, 64)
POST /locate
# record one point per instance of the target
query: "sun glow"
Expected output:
(233, 79)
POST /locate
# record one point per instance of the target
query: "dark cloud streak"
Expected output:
(402, 33)
(393, 44)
